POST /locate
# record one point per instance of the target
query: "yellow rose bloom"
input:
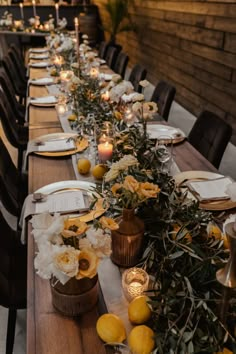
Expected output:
(148, 190)
(88, 262)
(74, 227)
(67, 262)
(108, 223)
(131, 184)
(115, 188)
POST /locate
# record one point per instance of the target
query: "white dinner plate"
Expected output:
(156, 130)
(213, 205)
(39, 56)
(45, 101)
(59, 187)
(55, 136)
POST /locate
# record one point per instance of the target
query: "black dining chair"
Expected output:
(210, 136)
(163, 95)
(138, 73)
(111, 57)
(7, 86)
(17, 58)
(13, 183)
(13, 277)
(121, 64)
(16, 134)
(20, 86)
(102, 50)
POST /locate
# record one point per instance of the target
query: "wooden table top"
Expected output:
(48, 332)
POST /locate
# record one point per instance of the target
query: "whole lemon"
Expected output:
(141, 340)
(72, 117)
(110, 328)
(83, 166)
(99, 171)
(138, 310)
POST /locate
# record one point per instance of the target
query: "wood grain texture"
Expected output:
(189, 43)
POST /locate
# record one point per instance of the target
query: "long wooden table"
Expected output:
(48, 332)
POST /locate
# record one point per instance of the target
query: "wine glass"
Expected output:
(164, 151)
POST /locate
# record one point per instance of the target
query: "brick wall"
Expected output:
(191, 44)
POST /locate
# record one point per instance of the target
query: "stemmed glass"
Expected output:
(164, 151)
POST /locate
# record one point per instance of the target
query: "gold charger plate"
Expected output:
(214, 205)
(163, 130)
(81, 145)
(59, 187)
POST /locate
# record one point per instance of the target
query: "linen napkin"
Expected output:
(61, 202)
(213, 189)
(41, 82)
(156, 130)
(38, 50)
(43, 100)
(41, 64)
(39, 56)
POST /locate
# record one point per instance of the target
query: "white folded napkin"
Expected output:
(38, 50)
(41, 64)
(156, 130)
(106, 77)
(56, 145)
(128, 98)
(44, 100)
(42, 81)
(39, 56)
(213, 189)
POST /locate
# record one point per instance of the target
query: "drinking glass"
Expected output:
(164, 151)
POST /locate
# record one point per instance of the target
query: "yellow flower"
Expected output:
(108, 223)
(131, 184)
(148, 190)
(74, 227)
(88, 262)
(115, 188)
(67, 261)
(118, 115)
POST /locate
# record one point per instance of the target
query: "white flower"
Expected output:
(144, 83)
(85, 36)
(75, 65)
(121, 165)
(67, 261)
(119, 90)
(111, 174)
(100, 241)
(137, 106)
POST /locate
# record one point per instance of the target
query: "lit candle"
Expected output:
(58, 60)
(94, 72)
(46, 26)
(57, 13)
(134, 282)
(61, 109)
(34, 8)
(106, 96)
(76, 20)
(105, 151)
(21, 11)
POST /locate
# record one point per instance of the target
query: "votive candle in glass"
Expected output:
(134, 282)
(57, 13)
(34, 8)
(21, 11)
(61, 109)
(105, 151)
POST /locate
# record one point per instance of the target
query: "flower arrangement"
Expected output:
(70, 248)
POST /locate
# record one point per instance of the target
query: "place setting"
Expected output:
(155, 130)
(44, 81)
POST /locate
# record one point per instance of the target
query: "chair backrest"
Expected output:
(121, 63)
(102, 51)
(10, 182)
(7, 86)
(210, 136)
(137, 74)
(111, 57)
(163, 95)
(18, 63)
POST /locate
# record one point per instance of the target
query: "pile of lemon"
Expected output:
(84, 167)
(111, 329)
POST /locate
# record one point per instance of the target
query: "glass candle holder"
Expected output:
(105, 149)
(134, 282)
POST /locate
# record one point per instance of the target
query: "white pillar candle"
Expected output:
(57, 13)
(21, 11)
(76, 21)
(34, 8)
(105, 151)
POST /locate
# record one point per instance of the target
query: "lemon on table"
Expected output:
(99, 171)
(72, 117)
(138, 310)
(225, 351)
(83, 166)
(110, 328)
(141, 340)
